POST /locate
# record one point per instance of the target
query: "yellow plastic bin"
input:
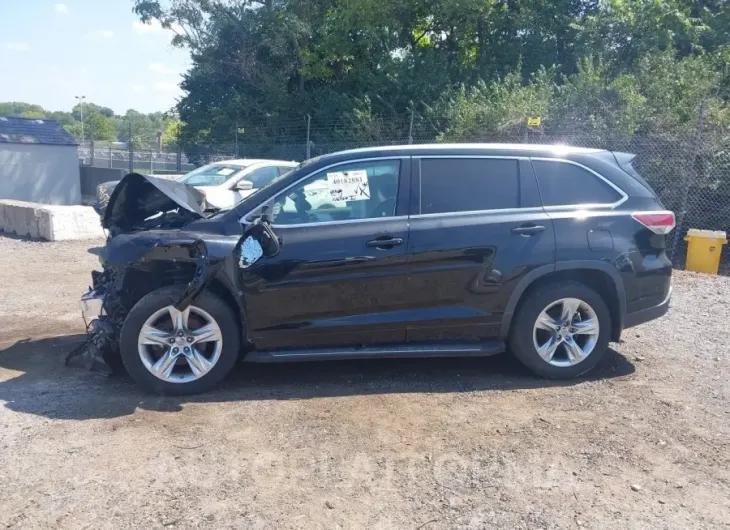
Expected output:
(704, 248)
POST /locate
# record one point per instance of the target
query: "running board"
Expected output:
(482, 349)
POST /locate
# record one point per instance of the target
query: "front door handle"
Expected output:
(528, 230)
(384, 243)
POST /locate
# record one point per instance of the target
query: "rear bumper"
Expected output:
(648, 314)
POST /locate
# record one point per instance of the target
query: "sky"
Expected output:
(51, 51)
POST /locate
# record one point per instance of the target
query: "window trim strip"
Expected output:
(342, 222)
(529, 209)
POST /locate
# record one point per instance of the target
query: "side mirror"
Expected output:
(258, 241)
(243, 185)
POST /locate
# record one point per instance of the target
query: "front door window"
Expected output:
(358, 190)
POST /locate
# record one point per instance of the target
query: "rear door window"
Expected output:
(468, 184)
(565, 184)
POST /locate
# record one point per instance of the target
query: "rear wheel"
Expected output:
(169, 351)
(561, 330)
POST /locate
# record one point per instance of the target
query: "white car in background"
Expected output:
(227, 182)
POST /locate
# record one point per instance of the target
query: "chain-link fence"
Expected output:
(689, 172)
(118, 155)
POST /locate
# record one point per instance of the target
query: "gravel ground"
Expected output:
(644, 442)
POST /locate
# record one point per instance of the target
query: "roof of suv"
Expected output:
(496, 149)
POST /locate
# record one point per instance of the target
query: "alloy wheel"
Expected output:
(566, 332)
(180, 346)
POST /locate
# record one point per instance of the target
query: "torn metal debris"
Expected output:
(99, 352)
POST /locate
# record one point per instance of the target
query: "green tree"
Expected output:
(23, 110)
(89, 109)
(471, 67)
(64, 118)
(488, 110)
(74, 129)
(100, 123)
(170, 136)
(99, 127)
(143, 127)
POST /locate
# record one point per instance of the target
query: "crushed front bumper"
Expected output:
(101, 337)
(92, 306)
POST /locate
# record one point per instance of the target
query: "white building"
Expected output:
(38, 162)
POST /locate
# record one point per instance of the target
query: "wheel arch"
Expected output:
(141, 280)
(600, 276)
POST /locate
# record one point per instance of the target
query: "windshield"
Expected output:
(211, 175)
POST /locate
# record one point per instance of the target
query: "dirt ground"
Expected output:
(644, 442)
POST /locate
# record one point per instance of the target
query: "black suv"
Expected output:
(435, 250)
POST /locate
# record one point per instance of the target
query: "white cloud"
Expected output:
(161, 69)
(100, 34)
(165, 87)
(137, 88)
(61, 8)
(18, 46)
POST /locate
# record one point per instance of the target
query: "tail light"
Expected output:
(660, 222)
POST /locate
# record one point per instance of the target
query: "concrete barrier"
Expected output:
(49, 222)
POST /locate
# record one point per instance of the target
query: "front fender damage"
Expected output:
(100, 350)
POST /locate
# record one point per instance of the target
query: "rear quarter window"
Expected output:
(565, 184)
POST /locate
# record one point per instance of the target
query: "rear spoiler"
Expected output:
(624, 161)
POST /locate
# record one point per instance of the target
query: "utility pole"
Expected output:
(178, 159)
(81, 102)
(309, 146)
(131, 147)
(410, 128)
(236, 136)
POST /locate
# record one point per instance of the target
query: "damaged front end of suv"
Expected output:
(160, 233)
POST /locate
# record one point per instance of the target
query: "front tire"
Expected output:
(561, 330)
(173, 352)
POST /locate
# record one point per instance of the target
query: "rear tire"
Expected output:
(543, 325)
(219, 353)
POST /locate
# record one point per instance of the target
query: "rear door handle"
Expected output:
(528, 230)
(385, 243)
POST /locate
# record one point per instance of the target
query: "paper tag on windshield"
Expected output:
(348, 185)
(225, 171)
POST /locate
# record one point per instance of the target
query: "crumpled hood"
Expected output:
(138, 197)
